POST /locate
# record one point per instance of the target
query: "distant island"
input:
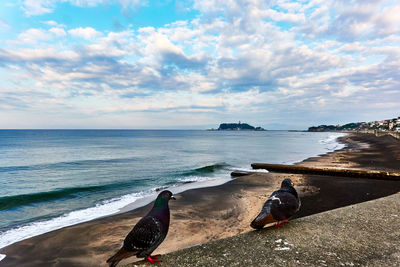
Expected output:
(237, 127)
(391, 125)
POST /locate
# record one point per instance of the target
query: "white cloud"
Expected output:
(54, 24)
(87, 3)
(59, 32)
(282, 16)
(133, 4)
(162, 44)
(352, 47)
(38, 7)
(4, 25)
(33, 36)
(86, 33)
(362, 20)
(388, 21)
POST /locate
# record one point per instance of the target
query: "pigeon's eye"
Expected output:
(166, 194)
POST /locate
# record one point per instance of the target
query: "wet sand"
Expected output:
(206, 214)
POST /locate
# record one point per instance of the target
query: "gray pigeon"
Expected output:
(147, 234)
(280, 206)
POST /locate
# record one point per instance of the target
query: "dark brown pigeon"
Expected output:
(147, 234)
(280, 206)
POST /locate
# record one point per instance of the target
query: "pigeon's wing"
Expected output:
(269, 203)
(265, 216)
(146, 235)
(284, 205)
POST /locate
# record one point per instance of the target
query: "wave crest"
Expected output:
(208, 169)
(9, 202)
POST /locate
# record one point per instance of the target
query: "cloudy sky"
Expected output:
(194, 64)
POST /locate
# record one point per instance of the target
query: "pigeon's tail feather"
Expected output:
(261, 220)
(120, 255)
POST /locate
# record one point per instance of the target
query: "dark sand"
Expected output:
(206, 214)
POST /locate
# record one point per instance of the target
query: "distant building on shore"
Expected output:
(392, 125)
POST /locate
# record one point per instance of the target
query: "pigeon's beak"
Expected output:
(172, 197)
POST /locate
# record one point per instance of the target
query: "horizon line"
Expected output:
(135, 129)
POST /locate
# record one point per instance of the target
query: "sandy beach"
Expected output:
(207, 214)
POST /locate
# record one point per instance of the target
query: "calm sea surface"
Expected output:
(53, 178)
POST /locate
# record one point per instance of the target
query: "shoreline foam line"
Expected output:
(331, 143)
(108, 208)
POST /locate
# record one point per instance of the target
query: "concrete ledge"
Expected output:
(366, 234)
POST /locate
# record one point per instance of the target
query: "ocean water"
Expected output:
(50, 179)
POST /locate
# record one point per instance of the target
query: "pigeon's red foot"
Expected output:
(278, 224)
(153, 259)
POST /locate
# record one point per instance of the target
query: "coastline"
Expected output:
(234, 205)
(214, 171)
(49, 207)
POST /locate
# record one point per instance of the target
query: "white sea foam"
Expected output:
(200, 184)
(33, 229)
(250, 170)
(190, 179)
(331, 144)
